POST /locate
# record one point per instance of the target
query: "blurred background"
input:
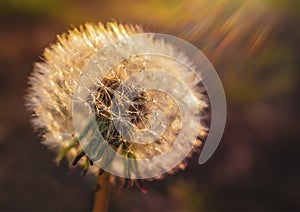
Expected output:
(253, 45)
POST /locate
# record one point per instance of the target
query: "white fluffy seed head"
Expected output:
(53, 82)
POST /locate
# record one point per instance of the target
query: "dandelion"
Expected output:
(127, 116)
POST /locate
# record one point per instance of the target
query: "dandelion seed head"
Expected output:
(128, 116)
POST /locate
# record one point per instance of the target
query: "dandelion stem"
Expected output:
(102, 196)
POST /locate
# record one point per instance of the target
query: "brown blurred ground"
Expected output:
(256, 167)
